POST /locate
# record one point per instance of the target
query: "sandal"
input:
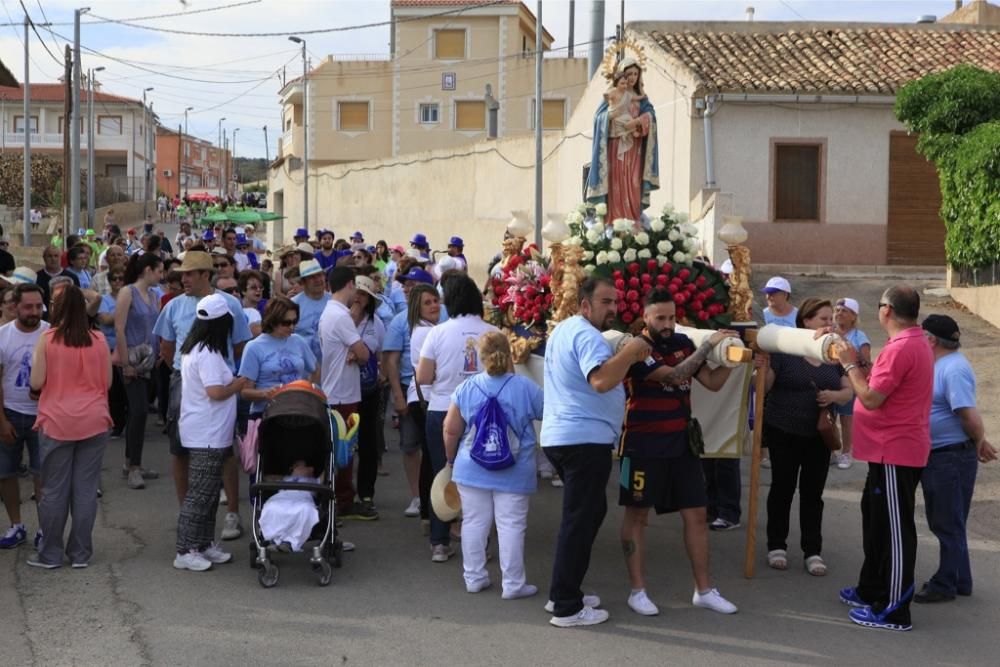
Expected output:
(777, 559)
(815, 566)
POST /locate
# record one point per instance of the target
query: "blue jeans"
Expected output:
(10, 454)
(948, 482)
(440, 530)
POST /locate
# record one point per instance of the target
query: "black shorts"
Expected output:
(667, 485)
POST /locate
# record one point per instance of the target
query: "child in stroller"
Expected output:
(288, 517)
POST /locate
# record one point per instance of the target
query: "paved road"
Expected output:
(390, 604)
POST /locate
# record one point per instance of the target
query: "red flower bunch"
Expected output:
(699, 291)
(521, 292)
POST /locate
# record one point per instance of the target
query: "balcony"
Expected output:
(120, 142)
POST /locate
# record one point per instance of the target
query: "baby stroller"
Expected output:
(297, 425)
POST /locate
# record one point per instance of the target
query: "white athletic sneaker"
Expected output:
(192, 560)
(843, 461)
(413, 509)
(586, 616)
(215, 554)
(712, 600)
(231, 528)
(525, 591)
(588, 601)
(557, 482)
(223, 500)
(640, 603)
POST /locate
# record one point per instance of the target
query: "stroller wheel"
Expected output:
(267, 575)
(324, 573)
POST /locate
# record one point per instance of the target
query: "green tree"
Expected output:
(957, 114)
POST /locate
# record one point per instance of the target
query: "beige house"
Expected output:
(789, 125)
(457, 74)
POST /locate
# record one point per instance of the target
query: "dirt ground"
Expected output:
(979, 344)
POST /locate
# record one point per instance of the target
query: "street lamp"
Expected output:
(91, 145)
(305, 131)
(75, 121)
(222, 156)
(145, 155)
(184, 143)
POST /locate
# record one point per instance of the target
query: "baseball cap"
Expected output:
(209, 235)
(416, 274)
(90, 232)
(301, 232)
(399, 249)
(309, 267)
(777, 284)
(212, 307)
(456, 241)
(419, 240)
(241, 239)
(850, 304)
(357, 235)
(942, 326)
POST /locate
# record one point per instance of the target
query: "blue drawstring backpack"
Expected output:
(490, 444)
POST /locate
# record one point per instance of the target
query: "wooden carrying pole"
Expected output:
(758, 433)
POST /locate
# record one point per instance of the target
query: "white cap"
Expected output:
(850, 304)
(727, 267)
(309, 267)
(777, 284)
(212, 307)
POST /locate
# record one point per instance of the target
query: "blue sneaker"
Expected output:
(866, 617)
(15, 536)
(849, 596)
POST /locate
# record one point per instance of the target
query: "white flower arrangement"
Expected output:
(663, 247)
(601, 209)
(674, 235)
(593, 236)
(588, 255)
(602, 257)
(575, 218)
(689, 229)
(616, 243)
(642, 238)
(589, 269)
(582, 208)
(662, 259)
(657, 225)
(629, 255)
(668, 209)
(622, 225)
(614, 257)
(645, 253)
(680, 257)
(681, 217)
(574, 240)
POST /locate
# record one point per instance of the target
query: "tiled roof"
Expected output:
(854, 59)
(54, 92)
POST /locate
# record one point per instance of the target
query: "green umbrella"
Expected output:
(214, 217)
(243, 217)
(266, 216)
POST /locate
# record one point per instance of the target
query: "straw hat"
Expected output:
(196, 260)
(444, 496)
(366, 284)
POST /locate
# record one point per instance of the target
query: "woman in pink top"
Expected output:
(71, 373)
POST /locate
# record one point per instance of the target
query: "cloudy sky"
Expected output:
(237, 77)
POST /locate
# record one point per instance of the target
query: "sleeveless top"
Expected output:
(74, 401)
(141, 318)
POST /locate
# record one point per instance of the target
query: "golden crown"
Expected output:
(610, 61)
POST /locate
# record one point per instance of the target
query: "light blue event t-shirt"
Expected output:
(272, 362)
(782, 320)
(108, 306)
(521, 400)
(954, 389)
(178, 316)
(310, 310)
(575, 412)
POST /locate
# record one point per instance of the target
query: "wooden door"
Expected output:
(916, 231)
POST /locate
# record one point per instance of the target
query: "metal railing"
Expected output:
(976, 277)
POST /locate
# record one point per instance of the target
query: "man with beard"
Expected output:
(17, 343)
(658, 466)
(584, 407)
(327, 256)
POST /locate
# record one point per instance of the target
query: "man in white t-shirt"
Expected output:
(17, 344)
(343, 352)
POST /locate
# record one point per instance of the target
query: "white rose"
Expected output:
(689, 229)
(601, 209)
(662, 259)
(668, 209)
(588, 255)
(645, 253)
(629, 255)
(663, 247)
(582, 208)
(616, 243)
(681, 217)
(622, 225)
(614, 257)
(642, 238)
(589, 269)
(688, 244)
(680, 257)
(673, 235)
(593, 236)
(602, 257)
(577, 217)
(657, 225)
(574, 240)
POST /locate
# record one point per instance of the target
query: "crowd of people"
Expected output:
(116, 324)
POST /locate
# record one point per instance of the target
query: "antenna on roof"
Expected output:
(750, 12)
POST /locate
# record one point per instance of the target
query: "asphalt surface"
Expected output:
(390, 604)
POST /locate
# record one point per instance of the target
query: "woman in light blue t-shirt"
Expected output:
(845, 316)
(504, 494)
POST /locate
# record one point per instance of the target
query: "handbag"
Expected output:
(248, 446)
(696, 439)
(827, 428)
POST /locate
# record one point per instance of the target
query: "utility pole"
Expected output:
(75, 152)
(572, 28)
(221, 156)
(67, 107)
(267, 150)
(27, 141)
(538, 126)
(91, 146)
(305, 131)
(596, 51)
(224, 166)
(180, 147)
(145, 155)
(236, 174)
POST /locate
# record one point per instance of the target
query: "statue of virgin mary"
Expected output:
(622, 177)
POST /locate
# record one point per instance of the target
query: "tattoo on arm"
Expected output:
(628, 548)
(687, 368)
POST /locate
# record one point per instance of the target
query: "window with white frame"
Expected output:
(19, 124)
(430, 113)
(109, 124)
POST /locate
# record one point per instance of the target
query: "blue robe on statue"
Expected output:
(597, 178)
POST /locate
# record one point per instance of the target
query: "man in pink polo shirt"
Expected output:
(891, 433)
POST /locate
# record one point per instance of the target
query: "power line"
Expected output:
(35, 30)
(315, 31)
(44, 19)
(154, 16)
(793, 10)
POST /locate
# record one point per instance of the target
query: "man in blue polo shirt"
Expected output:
(312, 302)
(957, 442)
(659, 470)
(584, 407)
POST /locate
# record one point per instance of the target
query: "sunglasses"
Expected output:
(221, 265)
(231, 290)
(289, 323)
(883, 304)
(115, 278)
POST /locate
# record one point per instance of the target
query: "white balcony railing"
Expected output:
(55, 139)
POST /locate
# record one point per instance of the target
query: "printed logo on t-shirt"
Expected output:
(23, 378)
(470, 365)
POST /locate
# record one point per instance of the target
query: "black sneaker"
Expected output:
(361, 511)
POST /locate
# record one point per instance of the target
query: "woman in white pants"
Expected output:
(494, 495)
